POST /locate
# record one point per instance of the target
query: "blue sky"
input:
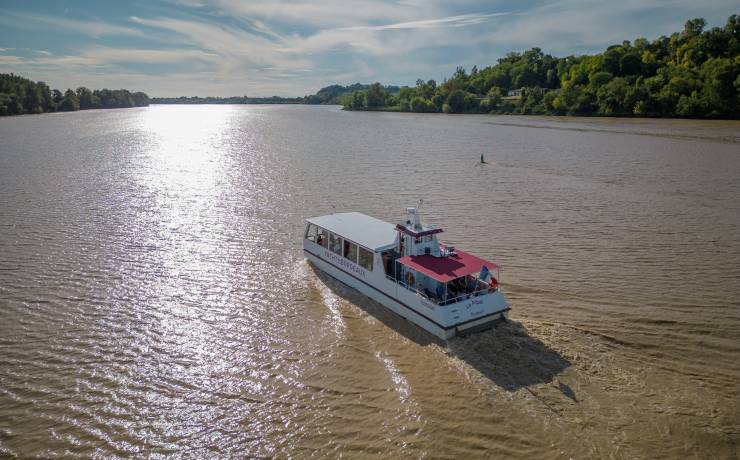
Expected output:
(261, 48)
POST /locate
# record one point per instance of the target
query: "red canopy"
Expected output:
(444, 269)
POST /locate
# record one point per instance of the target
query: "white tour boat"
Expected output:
(444, 290)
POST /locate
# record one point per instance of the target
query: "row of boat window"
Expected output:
(336, 244)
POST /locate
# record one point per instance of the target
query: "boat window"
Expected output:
(335, 244)
(311, 232)
(428, 239)
(322, 237)
(350, 251)
(366, 259)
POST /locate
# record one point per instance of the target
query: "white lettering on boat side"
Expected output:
(473, 303)
(345, 263)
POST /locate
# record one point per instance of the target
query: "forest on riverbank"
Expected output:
(327, 95)
(20, 96)
(694, 73)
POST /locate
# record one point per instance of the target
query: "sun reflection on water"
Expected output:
(186, 153)
(183, 178)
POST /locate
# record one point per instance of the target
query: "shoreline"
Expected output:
(549, 115)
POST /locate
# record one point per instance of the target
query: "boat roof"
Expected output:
(444, 269)
(362, 229)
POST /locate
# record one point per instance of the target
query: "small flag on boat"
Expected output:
(484, 273)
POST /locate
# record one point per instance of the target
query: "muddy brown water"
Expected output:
(154, 298)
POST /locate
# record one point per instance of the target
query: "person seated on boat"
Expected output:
(455, 288)
(451, 290)
(440, 291)
(410, 281)
(471, 284)
(387, 262)
(320, 239)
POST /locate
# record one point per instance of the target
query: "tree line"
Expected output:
(226, 100)
(327, 95)
(20, 95)
(694, 73)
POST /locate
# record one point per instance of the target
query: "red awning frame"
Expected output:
(445, 269)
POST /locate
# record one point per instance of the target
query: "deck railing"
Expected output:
(483, 289)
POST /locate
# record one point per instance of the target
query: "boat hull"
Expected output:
(406, 304)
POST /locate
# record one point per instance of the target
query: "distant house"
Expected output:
(515, 92)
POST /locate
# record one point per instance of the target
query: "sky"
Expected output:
(292, 48)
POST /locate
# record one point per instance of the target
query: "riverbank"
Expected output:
(21, 96)
(694, 73)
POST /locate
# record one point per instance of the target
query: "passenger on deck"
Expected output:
(471, 284)
(440, 291)
(337, 246)
(410, 281)
(455, 288)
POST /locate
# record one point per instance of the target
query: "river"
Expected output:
(155, 301)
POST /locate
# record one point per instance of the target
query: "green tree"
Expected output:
(456, 101)
(57, 97)
(376, 96)
(85, 96)
(600, 78)
(689, 73)
(70, 102)
(33, 101)
(630, 64)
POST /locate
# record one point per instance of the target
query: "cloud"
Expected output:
(451, 21)
(250, 54)
(572, 26)
(91, 28)
(321, 14)
(238, 48)
(10, 60)
(147, 56)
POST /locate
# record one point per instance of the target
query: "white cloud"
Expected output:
(570, 26)
(322, 14)
(148, 56)
(10, 60)
(451, 21)
(91, 28)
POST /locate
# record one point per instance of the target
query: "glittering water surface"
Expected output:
(154, 298)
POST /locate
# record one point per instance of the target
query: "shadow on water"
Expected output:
(510, 357)
(507, 354)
